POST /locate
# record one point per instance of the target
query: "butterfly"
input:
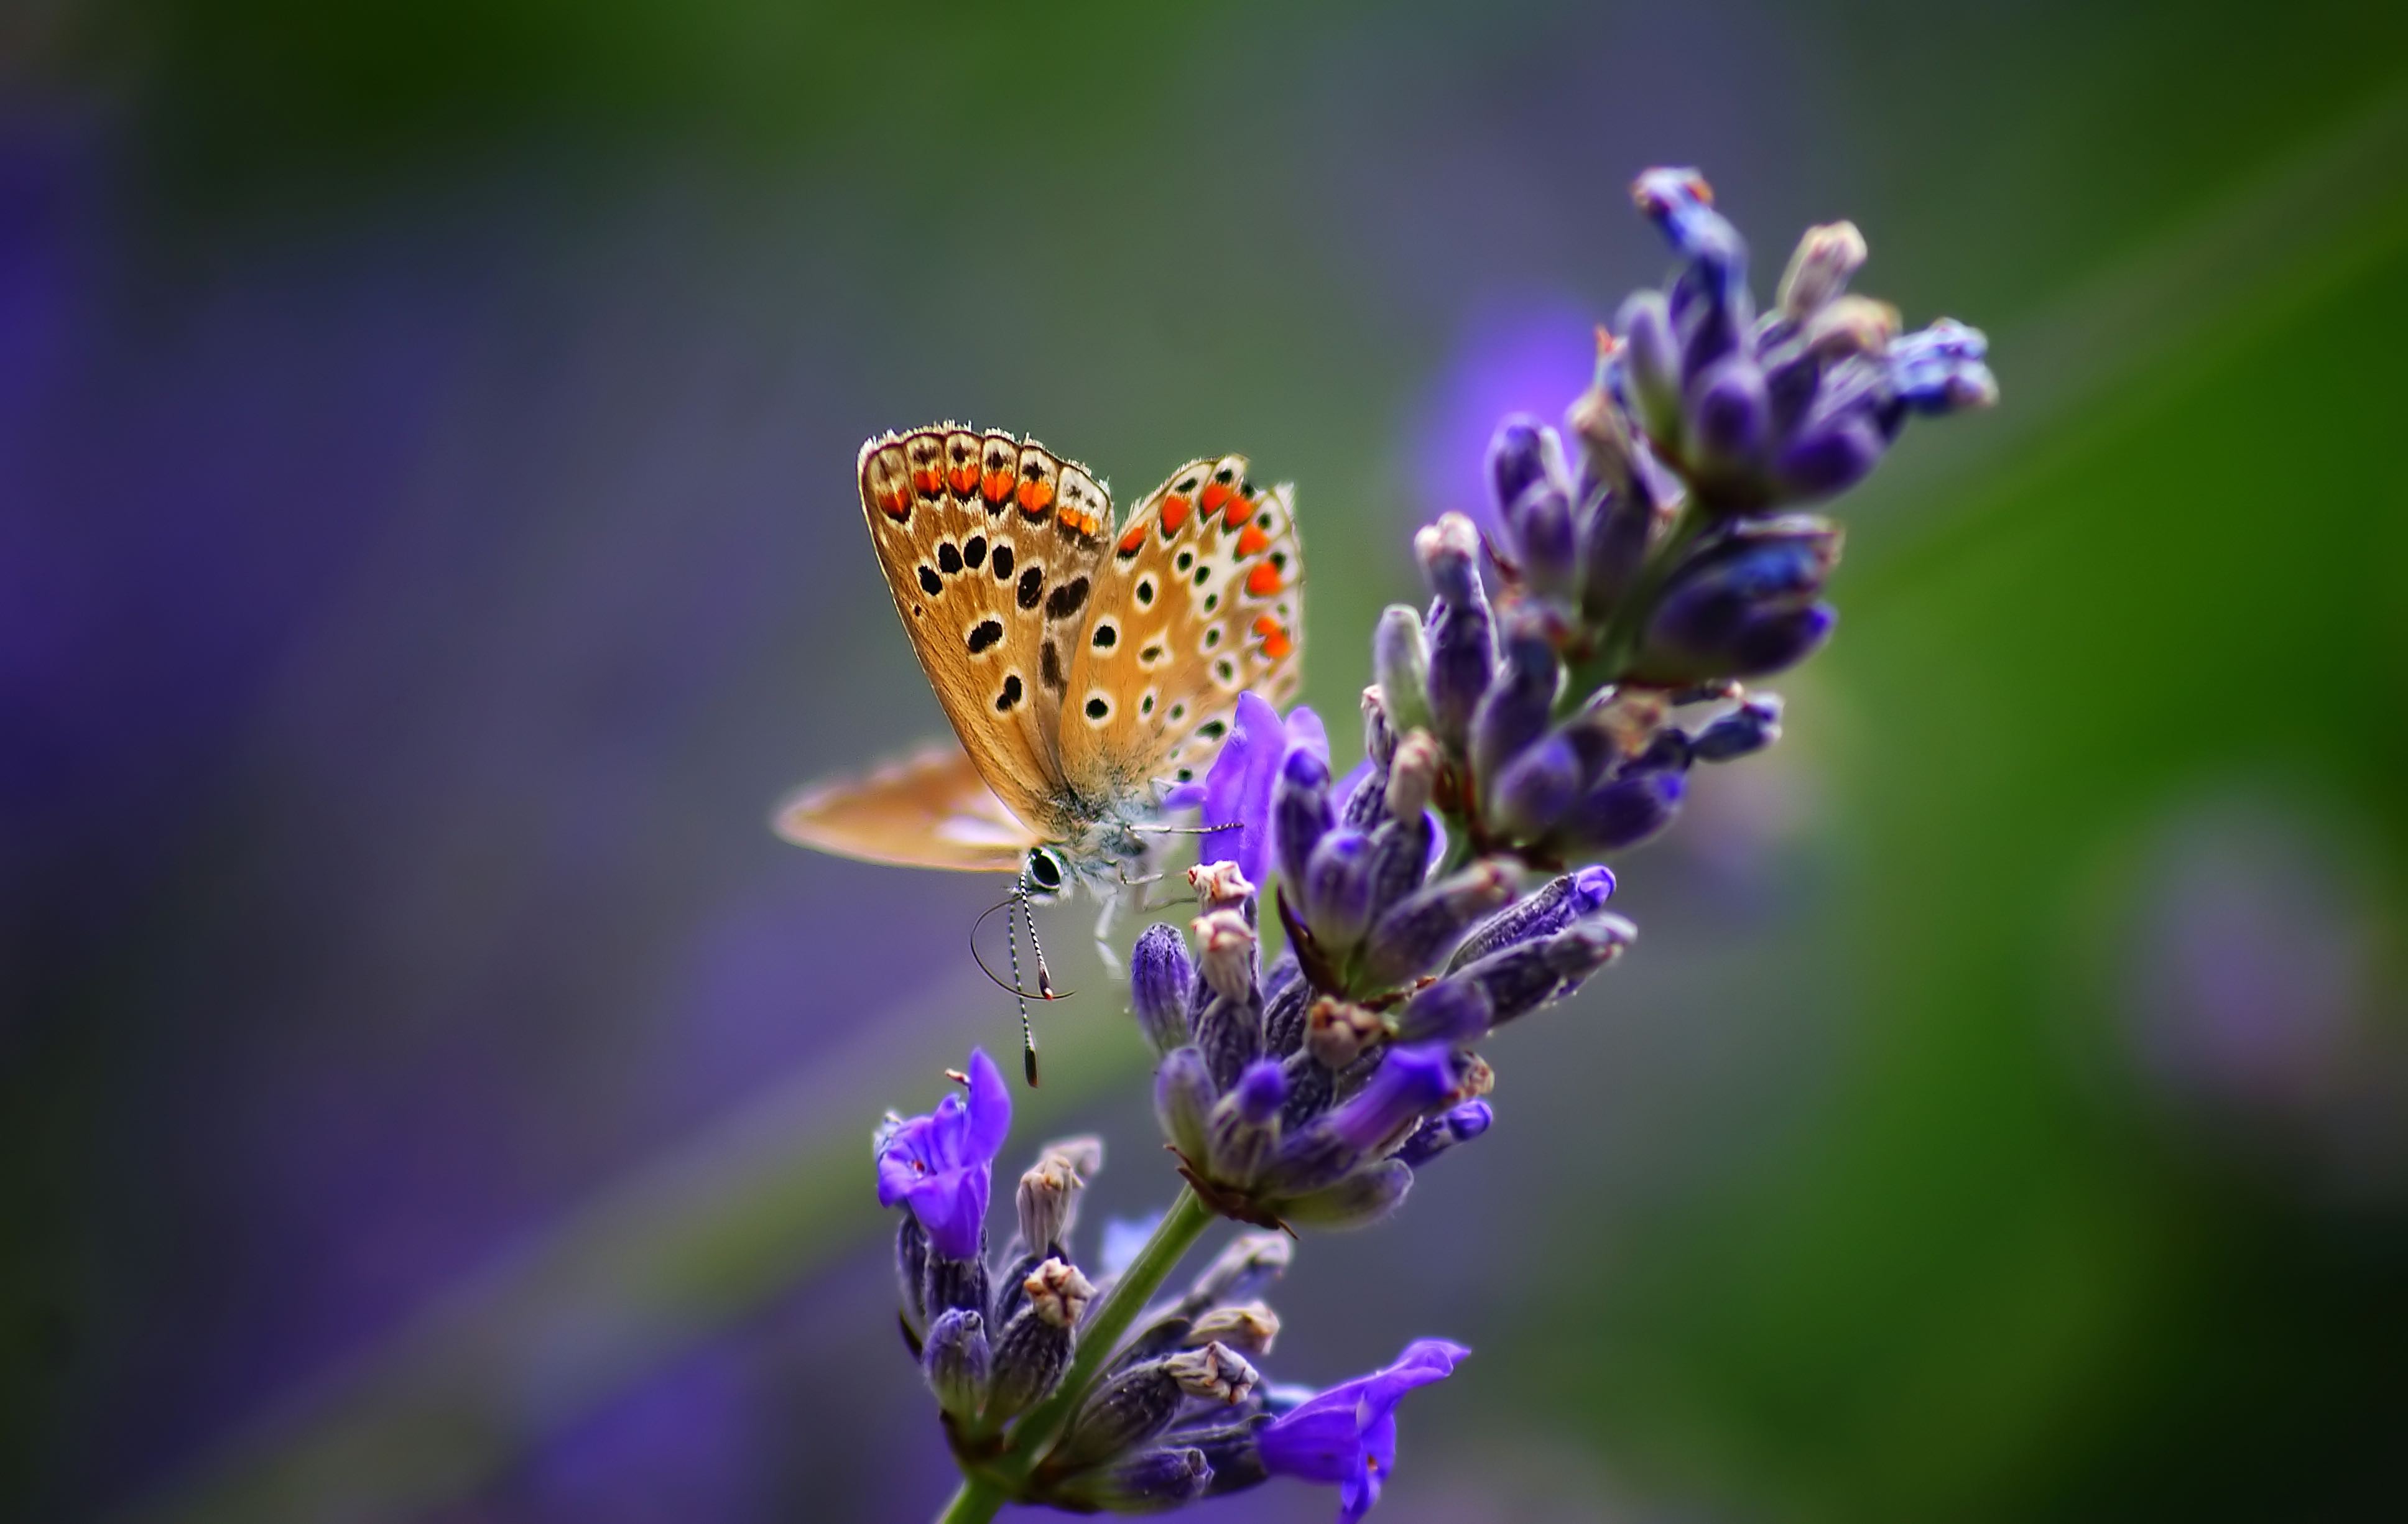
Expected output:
(1084, 665)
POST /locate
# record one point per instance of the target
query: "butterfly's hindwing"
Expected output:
(929, 810)
(1200, 599)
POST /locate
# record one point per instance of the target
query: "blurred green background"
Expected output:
(426, 434)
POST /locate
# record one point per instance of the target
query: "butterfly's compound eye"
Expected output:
(1044, 870)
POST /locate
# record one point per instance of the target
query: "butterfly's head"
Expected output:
(1045, 874)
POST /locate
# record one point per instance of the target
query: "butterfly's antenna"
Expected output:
(979, 958)
(1011, 935)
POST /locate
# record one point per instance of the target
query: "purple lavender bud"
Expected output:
(1828, 457)
(1452, 1011)
(1241, 1272)
(1535, 790)
(1517, 707)
(1439, 1133)
(1299, 816)
(1626, 812)
(1463, 642)
(1651, 361)
(1336, 899)
(1519, 979)
(1449, 553)
(1597, 422)
(948, 1282)
(1409, 1083)
(1226, 946)
(911, 1271)
(1668, 751)
(1938, 369)
(1778, 642)
(1231, 1451)
(1127, 1411)
(1400, 665)
(1614, 540)
(1182, 1099)
(1338, 1033)
(1547, 537)
(1406, 1085)
(1029, 1358)
(1705, 623)
(1011, 1287)
(1310, 1087)
(1367, 799)
(1558, 904)
(1826, 260)
(1680, 203)
(1400, 859)
(1426, 925)
(1729, 415)
(1047, 1201)
(1522, 453)
(1361, 1199)
(1244, 1124)
(956, 1361)
(1148, 1482)
(1284, 1017)
(1162, 978)
(1413, 774)
(1750, 728)
(1229, 1035)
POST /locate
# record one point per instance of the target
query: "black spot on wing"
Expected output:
(1010, 696)
(974, 552)
(1032, 586)
(929, 582)
(987, 633)
(1066, 599)
(949, 561)
(1050, 666)
(1003, 563)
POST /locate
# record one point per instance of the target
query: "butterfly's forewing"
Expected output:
(1199, 600)
(990, 545)
(929, 810)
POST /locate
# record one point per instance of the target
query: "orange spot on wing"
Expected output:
(995, 487)
(1215, 493)
(1175, 510)
(1263, 581)
(897, 504)
(1253, 541)
(928, 481)
(1276, 644)
(1134, 541)
(964, 480)
(1035, 497)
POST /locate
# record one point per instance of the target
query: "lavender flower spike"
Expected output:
(1346, 1436)
(940, 1166)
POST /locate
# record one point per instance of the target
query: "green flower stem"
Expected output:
(977, 1501)
(1099, 1339)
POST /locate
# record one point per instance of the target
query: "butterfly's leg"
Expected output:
(1104, 919)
